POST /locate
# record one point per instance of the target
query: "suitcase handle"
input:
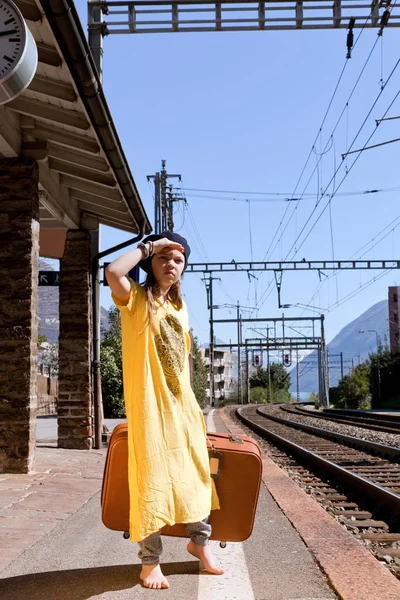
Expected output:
(235, 440)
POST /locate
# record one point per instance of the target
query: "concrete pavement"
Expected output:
(54, 546)
(58, 548)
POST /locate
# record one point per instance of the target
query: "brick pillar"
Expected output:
(75, 412)
(19, 264)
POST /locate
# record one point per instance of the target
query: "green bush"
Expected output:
(111, 368)
(281, 396)
(111, 384)
(258, 395)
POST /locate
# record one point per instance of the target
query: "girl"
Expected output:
(169, 473)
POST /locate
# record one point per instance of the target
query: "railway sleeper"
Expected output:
(364, 524)
(357, 514)
(388, 538)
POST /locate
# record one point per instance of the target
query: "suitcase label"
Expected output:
(215, 463)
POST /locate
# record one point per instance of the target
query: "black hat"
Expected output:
(174, 237)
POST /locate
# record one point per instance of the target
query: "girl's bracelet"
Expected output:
(146, 249)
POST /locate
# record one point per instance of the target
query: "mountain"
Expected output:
(354, 345)
(49, 322)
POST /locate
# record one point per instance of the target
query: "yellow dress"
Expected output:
(169, 472)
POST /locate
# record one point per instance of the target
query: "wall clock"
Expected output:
(18, 52)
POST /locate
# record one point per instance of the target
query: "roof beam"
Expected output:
(90, 187)
(93, 198)
(118, 224)
(39, 150)
(81, 173)
(49, 112)
(107, 211)
(42, 131)
(56, 198)
(97, 163)
(53, 87)
(29, 10)
(48, 55)
(103, 213)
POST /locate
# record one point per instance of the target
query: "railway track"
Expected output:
(358, 485)
(381, 423)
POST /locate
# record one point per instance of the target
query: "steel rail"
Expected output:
(387, 418)
(374, 424)
(374, 491)
(380, 449)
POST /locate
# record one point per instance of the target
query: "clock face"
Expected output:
(12, 37)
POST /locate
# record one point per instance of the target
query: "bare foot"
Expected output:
(152, 577)
(204, 554)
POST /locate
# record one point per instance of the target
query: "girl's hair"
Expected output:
(152, 290)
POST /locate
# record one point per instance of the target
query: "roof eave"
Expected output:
(64, 20)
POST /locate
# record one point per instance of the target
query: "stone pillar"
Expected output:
(75, 407)
(19, 264)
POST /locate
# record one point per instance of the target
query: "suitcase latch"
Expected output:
(235, 440)
(215, 462)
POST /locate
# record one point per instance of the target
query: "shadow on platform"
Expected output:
(82, 584)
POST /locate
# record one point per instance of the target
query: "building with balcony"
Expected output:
(223, 369)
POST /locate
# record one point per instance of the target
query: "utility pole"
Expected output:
(325, 389)
(239, 336)
(269, 370)
(172, 197)
(298, 375)
(162, 211)
(247, 374)
(209, 289)
(320, 396)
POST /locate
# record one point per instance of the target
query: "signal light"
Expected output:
(286, 359)
(256, 360)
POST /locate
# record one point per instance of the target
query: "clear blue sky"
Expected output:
(240, 112)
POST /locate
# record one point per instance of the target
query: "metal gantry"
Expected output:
(109, 17)
(302, 265)
(173, 16)
(272, 342)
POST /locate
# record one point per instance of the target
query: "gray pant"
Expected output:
(151, 547)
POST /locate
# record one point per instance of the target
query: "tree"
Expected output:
(41, 339)
(200, 375)
(353, 390)
(111, 368)
(280, 382)
(384, 378)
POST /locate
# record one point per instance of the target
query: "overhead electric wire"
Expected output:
(262, 300)
(342, 162)
(199, 243)
(316, 138)
(309, 196)
(355, 138)
(354, 255)
(237, 192)
(356, 291)
(322, 153)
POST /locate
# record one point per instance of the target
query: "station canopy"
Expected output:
(63, 121)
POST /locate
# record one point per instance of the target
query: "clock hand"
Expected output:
(9, 32)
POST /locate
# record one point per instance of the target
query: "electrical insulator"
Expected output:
(384, 20)
(350, 37)
(350, 41)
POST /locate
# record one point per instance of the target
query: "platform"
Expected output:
(55, 546)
